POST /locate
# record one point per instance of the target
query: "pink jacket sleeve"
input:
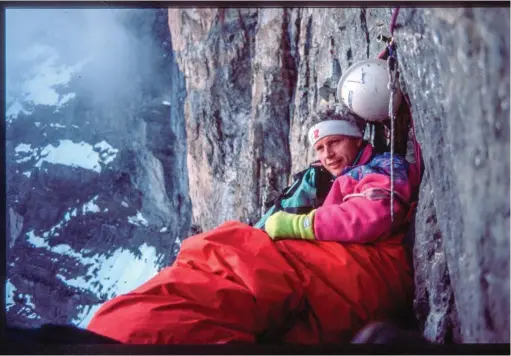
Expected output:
(359, 211)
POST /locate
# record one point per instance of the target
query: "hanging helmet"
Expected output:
(364, 89)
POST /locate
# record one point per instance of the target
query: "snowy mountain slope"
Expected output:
(96, 196)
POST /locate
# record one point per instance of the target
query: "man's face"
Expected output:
(337, 152)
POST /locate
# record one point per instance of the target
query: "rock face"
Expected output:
(97, 202)
(253, 76)
(461, 100)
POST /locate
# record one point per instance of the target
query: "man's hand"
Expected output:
(283, 225)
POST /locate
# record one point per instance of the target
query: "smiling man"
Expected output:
(357, 207)
(337, 144)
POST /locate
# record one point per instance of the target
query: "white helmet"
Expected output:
(364, 89)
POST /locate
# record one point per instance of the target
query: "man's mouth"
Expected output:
(335, 164)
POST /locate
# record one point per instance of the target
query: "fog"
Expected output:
(47, 48)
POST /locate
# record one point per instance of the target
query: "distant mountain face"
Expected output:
(97, 191)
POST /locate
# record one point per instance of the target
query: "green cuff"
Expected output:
(282, 225)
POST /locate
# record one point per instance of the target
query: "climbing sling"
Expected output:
(416, 168)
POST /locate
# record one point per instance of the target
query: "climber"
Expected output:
(361, 177)
(341, 142)
(235, 284)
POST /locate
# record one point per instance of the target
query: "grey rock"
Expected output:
(455, 71)
(434, 300)
(254, 76)
(14, 226)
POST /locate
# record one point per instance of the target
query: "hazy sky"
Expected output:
(45, 48)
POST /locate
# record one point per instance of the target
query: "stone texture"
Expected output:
(434, 300)
(14, 226)
(253, 76)
(456, 70)
(234, 86)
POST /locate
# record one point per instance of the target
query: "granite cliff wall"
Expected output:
(253, 76)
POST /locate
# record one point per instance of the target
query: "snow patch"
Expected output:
(166, 103)
(124, 204)
(163, 229)
(23, 148)
(27, 173)
(33, 316)
(10, 290)
(37, 124)
(107, 152)
(69, 153)
(69, 214)
(24, 152)
(138, 219)
(27, 307)
(86, 313)
(114, 275)
(177, 241)
(91, 206)
(58, 126)
(36, 240)
(29, 302)
(72, 154)
(120, 273)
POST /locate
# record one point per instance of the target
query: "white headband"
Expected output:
(333, 127)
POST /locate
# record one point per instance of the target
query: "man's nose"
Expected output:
(328, 150)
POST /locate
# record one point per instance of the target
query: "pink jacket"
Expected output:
(357, 208)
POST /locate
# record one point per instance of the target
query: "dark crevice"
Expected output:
(363, 24)
(349, 57)
(306, 52)
(450, 324)
(336, 66)
(290, 72)
(294, 43)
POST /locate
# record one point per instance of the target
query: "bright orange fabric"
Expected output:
(234, 283)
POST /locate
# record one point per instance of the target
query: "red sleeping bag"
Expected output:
(234, 283)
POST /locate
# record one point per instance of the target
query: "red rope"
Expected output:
(393, 20)
(384, 54)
